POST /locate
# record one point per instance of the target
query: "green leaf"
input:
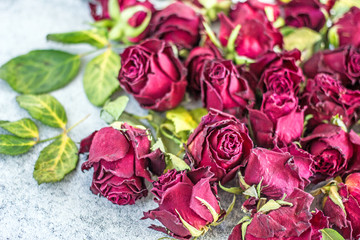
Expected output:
(333, 37)
(44, 108)
(96, 37)
(337, 120)
(212, 35)
(40, 71)
(232, 38)
(182, 119)
(303, 39)
(56, 160)
(330, 234)
(193, 231)
(233, 190)
(213, 212)
(198, 113)
(100, 77)
(24, 128)
(12, 145)
(269, 206)
(158, 145)
(112, 110)
(174, 162)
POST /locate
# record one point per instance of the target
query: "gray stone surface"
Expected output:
(64, 210)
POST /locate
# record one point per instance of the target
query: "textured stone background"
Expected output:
(64, 210)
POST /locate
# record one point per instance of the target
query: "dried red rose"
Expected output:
(348, 27)
(257, 34)
(182, 198)
(223, 88)
(153, 75)
(304, 13)
(343, 63)
(120, 159)
(221, 142)
(279, 121)
(325, 97)
(278, 72)
(178, 23)
(195, 64)
(285, 222)
(345, 215)
(335, 151)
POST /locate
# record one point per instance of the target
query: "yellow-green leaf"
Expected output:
(24, 128)
(100, 78)
(330, 234)
(12, 145)
(44, 108)
(56, 160)
(112, 110)
(182, 119)
(40, 71)
(96, 37)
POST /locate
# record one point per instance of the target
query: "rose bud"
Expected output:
(195, 64)
(346, 29)
(279, 121)
(287, 219)
(221, 142)
(188, 203)
(256, 35)
(100, 11)
(153, 75)
(120, 159)
(223, 88)
(343, 63)
(178, 23)
(342, 206)
(277, 172)
(278, 72)
(335, 151)
(325, 97)
(304, 13)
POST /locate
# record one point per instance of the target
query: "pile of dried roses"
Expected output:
(279, 119)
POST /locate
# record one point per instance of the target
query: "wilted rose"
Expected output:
(335, 151)
(345, 218)
(185, 200)
(291, 221)
(195, 64)
(178, 23)
(223, 88)
(304, 13)
(343, 63)
(221, 142)
(277, 172)
(257, 34)
(254, 9)
(348, 27)
(278, 72)
(153, 75)
(120, 159)
(279, 121)
(325, 97)
(100, 11)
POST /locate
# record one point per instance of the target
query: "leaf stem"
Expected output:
(68, 130)
(49, 139)
(88, 53)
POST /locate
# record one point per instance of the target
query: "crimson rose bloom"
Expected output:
(278, 72)
(286, 222)
(257, 34)
(223, 88)
(348, 28)
(120, 160)
(348, 221)
(180, 197)
(153, 75)
(221, 142)
(343, 63)
(195, 64)
(178, 23)
(278, 172)
(325, 97)
(304, 13)
(335, 151)
(100, 11)
(278, 122)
